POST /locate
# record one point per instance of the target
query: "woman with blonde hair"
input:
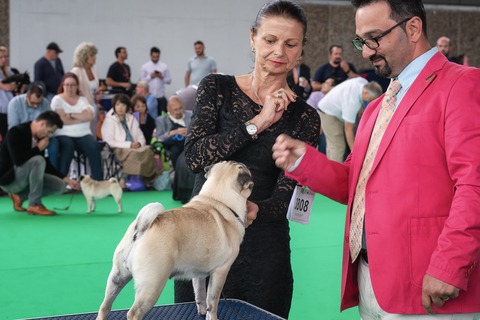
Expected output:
(84, 59)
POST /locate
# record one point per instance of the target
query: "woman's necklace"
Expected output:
(254, 91)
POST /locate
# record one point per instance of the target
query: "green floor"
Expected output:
(59, 265)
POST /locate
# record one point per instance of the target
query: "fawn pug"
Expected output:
(93, 189)
(200, 239)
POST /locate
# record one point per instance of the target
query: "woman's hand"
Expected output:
(275, 105)
(135, 145)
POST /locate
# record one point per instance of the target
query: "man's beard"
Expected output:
(384, 71)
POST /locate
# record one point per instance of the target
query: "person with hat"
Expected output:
(49, 70)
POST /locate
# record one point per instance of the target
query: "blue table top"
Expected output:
(228, 309)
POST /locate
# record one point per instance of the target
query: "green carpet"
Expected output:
(59, 265)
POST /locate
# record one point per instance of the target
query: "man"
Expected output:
(27, 107)
(199, 65)
(298, 79)
(339, 110)
(157, 74)
(443, 45)
(141, 89)
(172, 127)
(336, 68)
(118, 76)
(412, 230)
(49, 70)
(24, 171)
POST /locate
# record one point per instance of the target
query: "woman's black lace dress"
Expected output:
(262, 274)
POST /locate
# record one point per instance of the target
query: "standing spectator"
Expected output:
(443, 45)
(172, 127)
(238, 118)
(338, 112)
(199, 65)
(336, 68)
(147, 123)
(6, 90)
(157, 74)
(76, 114)
(412, 182)
(84, 59)
(24, 171)
(299, 79)
(119, 75)
(141, 89)
(49, 70)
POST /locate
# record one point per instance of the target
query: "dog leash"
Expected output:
(68, 206)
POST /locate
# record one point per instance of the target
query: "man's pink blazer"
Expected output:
(423, 194)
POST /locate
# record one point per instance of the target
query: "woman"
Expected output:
(147, 123)
(121, 131)
(84, 59)
(6, 90)
(239, 118)
(76, 114)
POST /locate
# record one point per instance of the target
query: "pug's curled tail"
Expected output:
(145, 218)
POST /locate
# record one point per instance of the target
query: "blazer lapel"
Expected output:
(426, 77)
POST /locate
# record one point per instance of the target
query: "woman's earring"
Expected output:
(253, 49)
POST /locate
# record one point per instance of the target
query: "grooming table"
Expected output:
(229, 309)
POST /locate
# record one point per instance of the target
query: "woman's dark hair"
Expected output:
(65, 77)
(137, 98)
(122, 98)
(51, 118)
(401, 9)
(281, 8)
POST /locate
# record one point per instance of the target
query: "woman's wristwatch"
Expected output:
(251, 129)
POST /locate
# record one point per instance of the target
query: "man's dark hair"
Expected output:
(401, 9)
(35, 89)
(154, 50)
(117, 51)
(51, 118)
(334, 46)
(198, 42)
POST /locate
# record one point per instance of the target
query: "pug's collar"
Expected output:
(236, 216)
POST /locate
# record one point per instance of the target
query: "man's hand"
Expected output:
(42, 144)
(75, 185)
(287, 150)
(436, 292)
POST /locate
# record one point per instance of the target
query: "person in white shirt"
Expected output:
(157, 74)
(338, 112)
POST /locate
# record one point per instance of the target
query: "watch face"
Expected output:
(252, 129)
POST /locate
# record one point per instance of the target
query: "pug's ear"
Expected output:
(207, 170)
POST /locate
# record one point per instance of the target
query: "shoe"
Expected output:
(40, 210)
(17, 202)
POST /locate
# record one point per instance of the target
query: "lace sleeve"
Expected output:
(215, 131)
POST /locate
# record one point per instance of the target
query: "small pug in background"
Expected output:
(93, 189)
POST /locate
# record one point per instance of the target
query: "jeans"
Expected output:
(86, 145)
(32, 183)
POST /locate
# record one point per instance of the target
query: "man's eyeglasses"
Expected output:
(373, 43)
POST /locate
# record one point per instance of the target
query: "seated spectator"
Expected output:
(147, 123)
(122, 132)
(76, 113)
(152, 104)
(172, 127)
(27, 107)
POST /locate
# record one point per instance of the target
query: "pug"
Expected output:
(93, 189)
(200, 239)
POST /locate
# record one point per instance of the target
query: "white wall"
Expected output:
(173, 26)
